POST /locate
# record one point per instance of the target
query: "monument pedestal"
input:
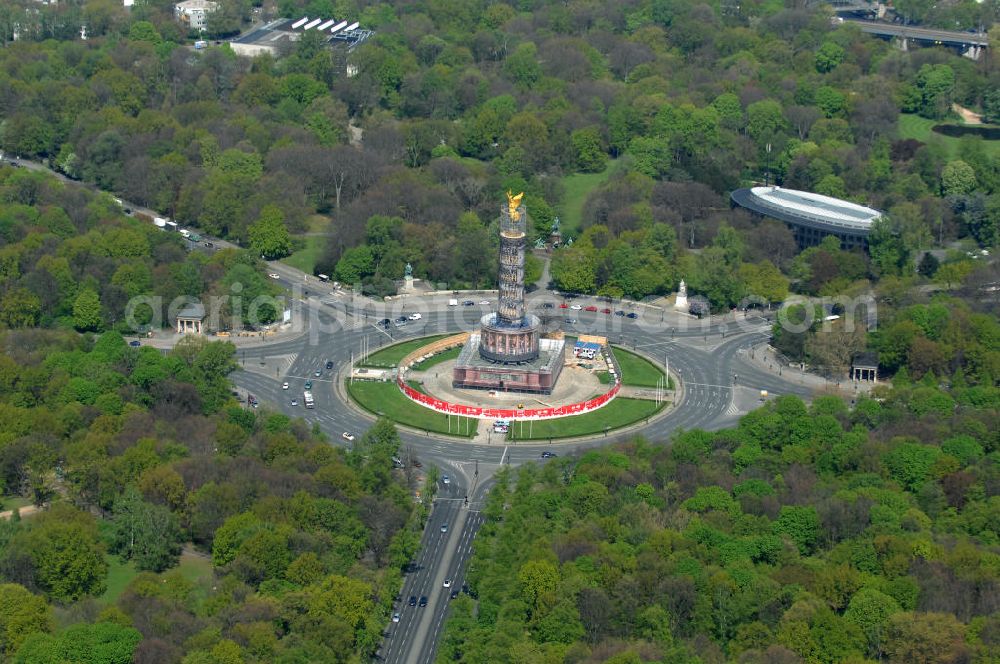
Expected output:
(682, 297)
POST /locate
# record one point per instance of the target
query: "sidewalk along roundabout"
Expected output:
(386, 391)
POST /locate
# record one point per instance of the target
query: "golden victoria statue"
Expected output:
(514, 202)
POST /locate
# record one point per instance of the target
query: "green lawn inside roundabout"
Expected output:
(391, 355)
(637, 370)
(443, 356)
(385, 399)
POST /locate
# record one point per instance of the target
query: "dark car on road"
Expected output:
(423, 601)
(134, 344)
(468, 303)
(454, 593)
(329, 365)
(385, 322)
(548, 305)
(619, 313)
(631, 314)
(413, 600)
(549, 455)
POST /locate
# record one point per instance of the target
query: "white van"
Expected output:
(453, 302)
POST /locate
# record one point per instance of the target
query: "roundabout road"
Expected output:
(704, 357)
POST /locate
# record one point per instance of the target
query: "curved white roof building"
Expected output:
(811, 216)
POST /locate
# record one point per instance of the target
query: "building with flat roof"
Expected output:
(194, 13)
(538, 374)
(811, 216)
(279, 37)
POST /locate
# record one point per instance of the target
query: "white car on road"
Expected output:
(446, 479)
(284, 385)
(395, 617)
(415, 316)
(274, 275)
(576, 307)
(347, 435)
(484, 302)
(447, 583)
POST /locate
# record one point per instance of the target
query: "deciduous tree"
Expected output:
(269, 235)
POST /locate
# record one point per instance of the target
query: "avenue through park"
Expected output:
(710, 360)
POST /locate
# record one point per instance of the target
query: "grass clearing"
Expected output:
(197, 570)
(921, 129)
(385, 398)
(194, 568)
(636, 370)
(119, 576)
(619, 413)
(391, 355)
(305, 259)
(450, 354)
(14, 503)
(577, 187)
(319, 223)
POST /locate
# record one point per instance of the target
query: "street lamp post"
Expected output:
(767, 169)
